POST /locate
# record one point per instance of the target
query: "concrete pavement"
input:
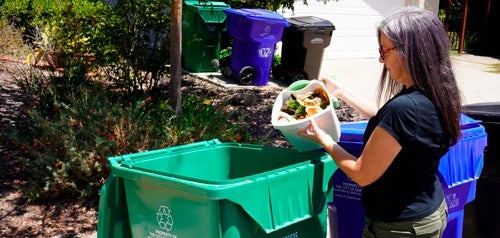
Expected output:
(477, 84)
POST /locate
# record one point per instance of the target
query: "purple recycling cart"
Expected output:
(255, 33)
(458, 171)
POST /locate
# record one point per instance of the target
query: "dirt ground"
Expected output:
(18, 216)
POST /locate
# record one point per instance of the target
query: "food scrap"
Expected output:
(302, 106)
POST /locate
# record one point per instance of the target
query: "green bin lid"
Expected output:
(210, 12)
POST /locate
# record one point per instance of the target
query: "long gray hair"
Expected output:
(423, 44)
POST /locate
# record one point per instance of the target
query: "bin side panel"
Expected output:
(350, 211)
(258, 55)
(315, 41)
(289, 207)
(454, 226)
(113, 218)
(159, 211)
(288, 197)
(293, 52)
(464, 161)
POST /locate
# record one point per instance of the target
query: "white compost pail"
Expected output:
(326, 118)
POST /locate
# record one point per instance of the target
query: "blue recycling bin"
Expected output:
(459, 170)
(255, 33)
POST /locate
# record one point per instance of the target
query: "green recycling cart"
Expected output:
(202, 28)
(211, 189)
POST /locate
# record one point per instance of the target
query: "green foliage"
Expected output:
(144, 46)
(67, 136)
(76, 36)
(224, 58)
(74, 121)
(276, 60)
(494, 68)
(12, 43)
(18, 12)
(128, 41)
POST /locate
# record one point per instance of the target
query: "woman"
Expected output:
(406, 137)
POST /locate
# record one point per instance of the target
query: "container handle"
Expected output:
(195, 145)
(126, 161)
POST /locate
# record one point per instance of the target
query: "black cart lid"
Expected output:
(490, 110)
(310, 22)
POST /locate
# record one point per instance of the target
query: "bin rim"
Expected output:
(119, 164)
(218, 183)
(257, 14)
(214, 16)
(354, 131)
(319, 23)
(488, 109)
(198, 4)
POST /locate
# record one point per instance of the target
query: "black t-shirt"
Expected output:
(409, 189)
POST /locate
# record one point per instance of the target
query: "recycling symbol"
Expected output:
(164, 218)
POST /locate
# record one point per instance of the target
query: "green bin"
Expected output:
(202, 28)
(211, 189)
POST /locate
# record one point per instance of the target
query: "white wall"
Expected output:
(355, 22)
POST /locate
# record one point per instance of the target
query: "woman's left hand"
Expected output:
(315, 133)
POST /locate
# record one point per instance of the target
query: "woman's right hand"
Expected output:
(332, 85)
(366, 108)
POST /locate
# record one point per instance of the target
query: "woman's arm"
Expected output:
(378, 153)
(366, 108)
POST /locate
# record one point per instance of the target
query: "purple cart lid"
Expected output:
(258, 15)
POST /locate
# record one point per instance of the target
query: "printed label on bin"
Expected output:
(317, 41)
(266, 32)
(293, 235)
(346, 187)
(265, 52)
(165, 223)
(452, 200)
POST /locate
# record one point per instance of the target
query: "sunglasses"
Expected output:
(384, 51)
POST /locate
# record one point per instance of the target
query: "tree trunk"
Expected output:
(463, 27)
(175, 54)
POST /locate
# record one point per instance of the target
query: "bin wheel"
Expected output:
(277, 72)
(247, 75)
(226, 72)
(299, 76)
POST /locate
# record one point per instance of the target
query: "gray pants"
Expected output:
(431, 226)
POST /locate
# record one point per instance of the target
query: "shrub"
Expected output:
(67, 136)
(74, 122)
(144, 46)
(76, 36)
(11, 41)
